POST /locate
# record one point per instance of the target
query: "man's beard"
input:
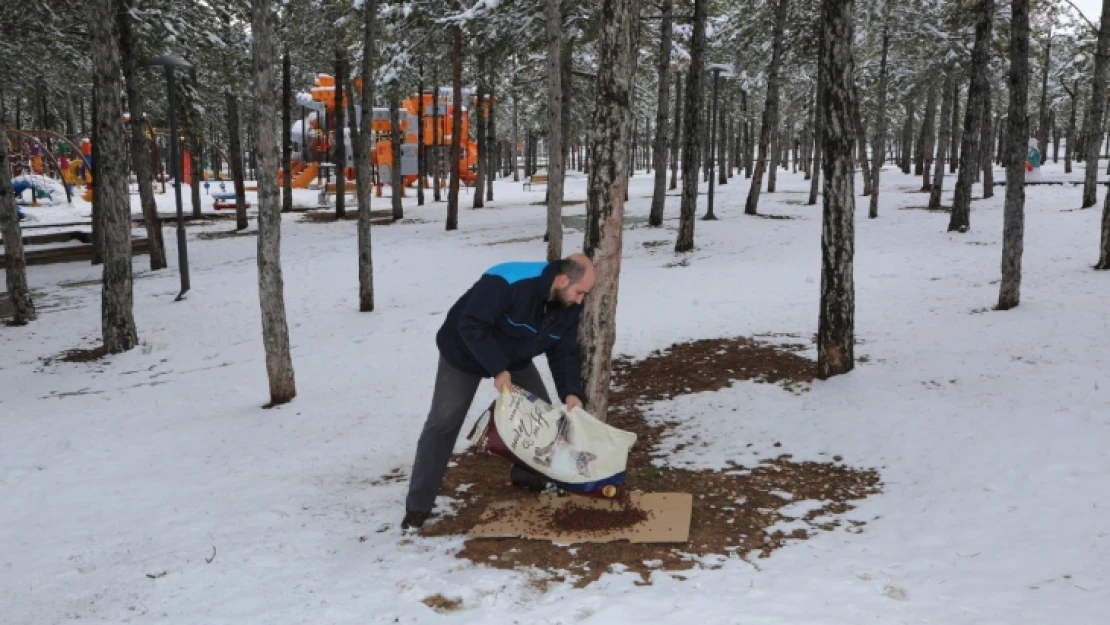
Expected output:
(558, 298)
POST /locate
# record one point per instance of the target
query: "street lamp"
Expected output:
(172, 62)
(717, 70)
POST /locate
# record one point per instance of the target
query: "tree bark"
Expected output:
(928, 136)
(954, 143)
(491, 139)
(456, 131)
(286, 136)
(275, 330)
(947, 100)
(773, 166)
(1013, 220)
(236, 163)
(23, 308)
(437, 139)
(479, 118)
(97, 217)
(612, 124)
(677, 130)
(878, 146)
(770, 108)
(836, 325)
(659, 150)
(722, 146)
(364, 181)
(516, 138)
(969, 150)
(139, 160)
(1055, 136)
(1098, 103)
(986, 145)
(117, 320)
(339, 154)
(396, 180)
(818, 131)
(692, 130)
(912, 153)
(196, 147)
(1069, 148)
(1042, 122)
(861, 147)
(421, 156)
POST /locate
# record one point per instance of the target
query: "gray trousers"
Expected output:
(451, 400)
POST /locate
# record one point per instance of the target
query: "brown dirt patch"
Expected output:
(84, 355)
(942, 209)
(439, 603)
(734, 510)
(378, 218)
(772, 216)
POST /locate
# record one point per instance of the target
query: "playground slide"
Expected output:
(298, 167)
(306, 176)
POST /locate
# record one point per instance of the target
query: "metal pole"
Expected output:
(712, 143)
(182, 253)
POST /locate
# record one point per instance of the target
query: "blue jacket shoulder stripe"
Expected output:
(515, 272)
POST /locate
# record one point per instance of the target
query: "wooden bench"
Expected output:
(534, 180)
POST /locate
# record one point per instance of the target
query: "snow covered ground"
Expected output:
(120, 480)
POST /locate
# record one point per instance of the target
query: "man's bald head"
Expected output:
(574, 280)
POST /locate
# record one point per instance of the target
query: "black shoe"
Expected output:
(523, 478)
(414, 520)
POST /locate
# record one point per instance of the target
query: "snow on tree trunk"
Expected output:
(364, 181)
(339, 153)
(140, 162)
(928, 136)
(770, 108)
(692, 130)
(456, 130)
(117, 320)
(947, 102)
(986, 143)
(607, 182)
(878, 146)
(1098, 103)
(1013, 219)
(286, 136)
(236, 164)
(960, 219)
(396, 181)
(659, 150)
(275, 331)
(23, 308)
(676, 132)
(818, 134)
(836, 326)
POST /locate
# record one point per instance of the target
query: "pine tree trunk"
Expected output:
(555, 151)
(286, 135)
(773, 166)
(364, 181)
(479, 117)
(117, 320)
(396, 182)
(1055, 136)
(97, 216)
(947, 104)
(722, 147)
(676, 132)
(71, 114)
(692, 130)
(23, 308)
(421, 160)
(1013, 223)
(491, 139)
(275, 330)
(913, 153)
(861, 147)
(339, 153)
(456, 131)
(140, 163)
(612, 124)
(196, 140)
(818, 132)
(770, 108)
(437, 138)
(969, 149)
(878, 146)
(1069, 147)
(236, 163)
(986, 143)
(516, 138)
(928, 136)
(659, 150)
(1042, 123)
(954, 143)
(1098, 103)
(836, 325)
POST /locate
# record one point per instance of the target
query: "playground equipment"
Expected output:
(316, 135)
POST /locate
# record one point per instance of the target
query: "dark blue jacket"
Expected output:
(504, 321)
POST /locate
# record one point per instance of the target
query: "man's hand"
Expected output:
(573, 402)
(503, 382)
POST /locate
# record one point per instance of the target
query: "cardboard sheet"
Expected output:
(668, 519)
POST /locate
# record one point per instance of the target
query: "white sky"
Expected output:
(1091, 8)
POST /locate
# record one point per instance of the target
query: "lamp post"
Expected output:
(717, 70)
(172, 62)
